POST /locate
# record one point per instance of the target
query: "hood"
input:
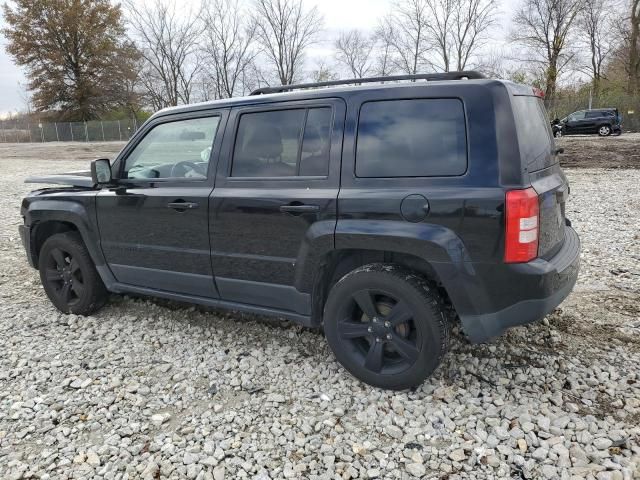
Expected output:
(74, 179)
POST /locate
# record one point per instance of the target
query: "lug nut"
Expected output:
(374, 319)
(369, 329)
(378, 340)
(387, 324)
(389, 336)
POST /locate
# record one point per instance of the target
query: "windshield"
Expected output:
(534, 132)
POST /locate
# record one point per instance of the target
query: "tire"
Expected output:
(604, 130)
(386, 326)
(68, 275)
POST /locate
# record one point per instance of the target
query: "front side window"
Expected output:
(411, 138)
(179, 149)
(283, 143)
(574, 117)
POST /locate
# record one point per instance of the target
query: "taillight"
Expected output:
(521, 226)
(537, 92)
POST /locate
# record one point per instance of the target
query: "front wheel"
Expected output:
(604, 131)
(69, 276)
(386, 326)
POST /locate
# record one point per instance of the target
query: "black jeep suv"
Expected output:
(380, 211)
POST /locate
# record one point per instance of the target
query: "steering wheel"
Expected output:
(181, 168)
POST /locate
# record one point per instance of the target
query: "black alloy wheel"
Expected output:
(64, 277)
(69, 276)
(386, 326)
(380, 331)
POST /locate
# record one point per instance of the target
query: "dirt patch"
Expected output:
(600, 152)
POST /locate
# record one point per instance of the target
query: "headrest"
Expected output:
(264, 142)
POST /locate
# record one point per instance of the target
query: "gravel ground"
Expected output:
(149, 389)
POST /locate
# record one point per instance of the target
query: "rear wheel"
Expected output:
(69, 276)
(604, 130)
(386, 326)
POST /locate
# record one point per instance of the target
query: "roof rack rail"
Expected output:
(463, 75)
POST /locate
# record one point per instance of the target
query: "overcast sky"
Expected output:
(338, 15)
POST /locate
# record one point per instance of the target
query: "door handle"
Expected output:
(182, 205)
(299, 208)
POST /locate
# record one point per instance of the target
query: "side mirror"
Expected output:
(101, 171)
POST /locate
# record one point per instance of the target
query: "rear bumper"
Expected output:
(530, 291)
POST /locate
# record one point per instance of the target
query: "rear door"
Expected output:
(592, 119)
(275, 195)
(539, 155)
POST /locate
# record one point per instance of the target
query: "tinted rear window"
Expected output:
(283, 143)
(534, 132)
(411, 138)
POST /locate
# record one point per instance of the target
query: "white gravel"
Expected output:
(148, 389)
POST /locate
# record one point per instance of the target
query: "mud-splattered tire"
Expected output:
(69, 276)
(386, 326)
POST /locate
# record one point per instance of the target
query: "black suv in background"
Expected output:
(603, 121)
(374, 211)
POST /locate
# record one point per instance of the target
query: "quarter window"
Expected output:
(411, 138)
(179, 149)
(283, 143)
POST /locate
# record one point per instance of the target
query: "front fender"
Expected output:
(77, 211)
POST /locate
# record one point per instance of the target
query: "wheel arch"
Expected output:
(42, 230)
(337, 263)
(47, 216)
(431, 250)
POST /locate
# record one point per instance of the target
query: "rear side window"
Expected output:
(411, 138)
(534, 132)
(283, 143)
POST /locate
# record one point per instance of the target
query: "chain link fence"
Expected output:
(20, 131)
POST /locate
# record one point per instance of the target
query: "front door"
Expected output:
(154, 225)
(275, 198)
(575, 123)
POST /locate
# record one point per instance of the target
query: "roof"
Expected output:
(311, 91)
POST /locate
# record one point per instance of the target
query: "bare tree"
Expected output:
(406, 34)
(472, 21)
(285, 29)
(353, 50)
(436, 34)
(634, 48)
(228, 46)
(595, 28)
(544, 28)
(383, 45)
(439, 28)
(323, 72)
(168, 41)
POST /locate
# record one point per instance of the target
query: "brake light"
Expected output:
(521, 226)
(537, 92)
